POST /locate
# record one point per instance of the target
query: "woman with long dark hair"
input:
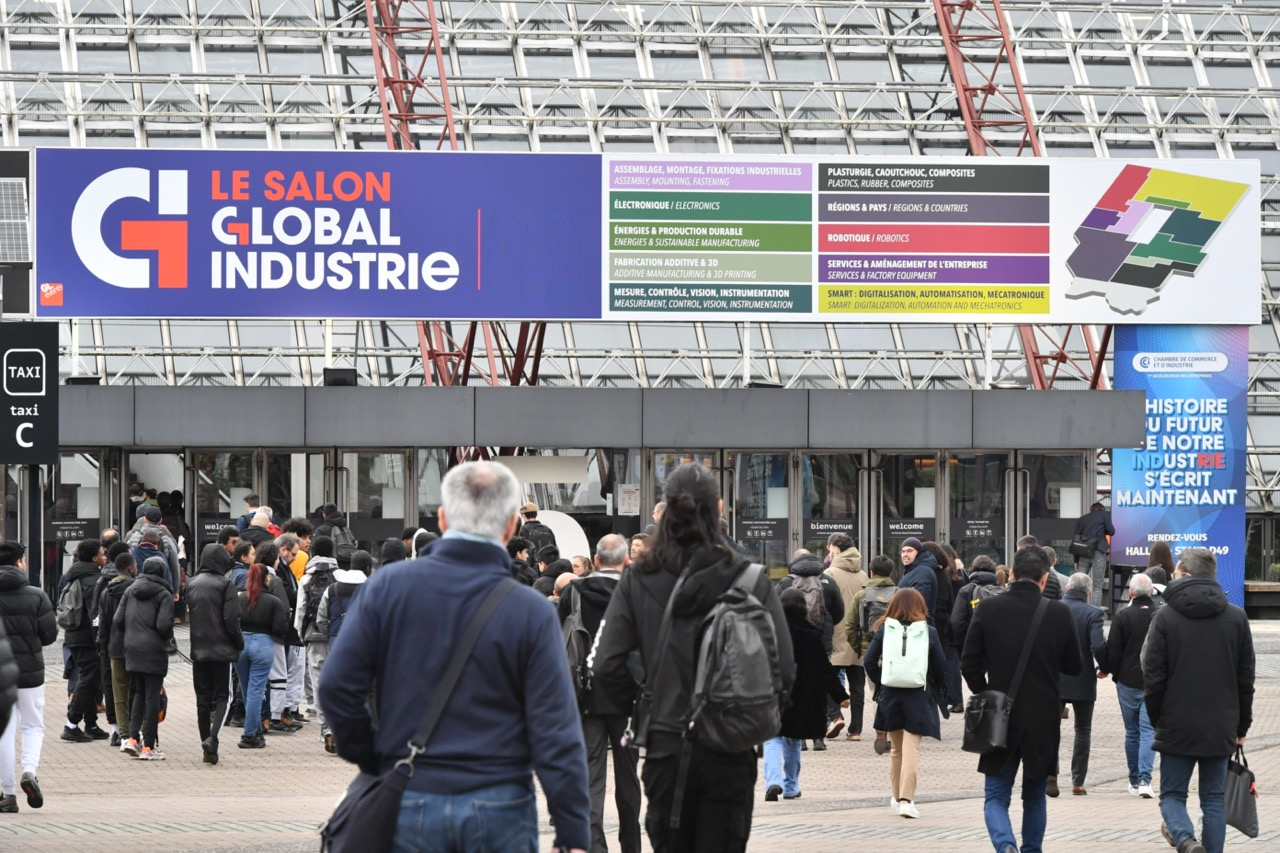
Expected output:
(713, 813)
(906, 713)
(1161, 555)
(262, 615)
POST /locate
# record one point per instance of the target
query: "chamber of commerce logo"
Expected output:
(167, 237)
(1149, 225)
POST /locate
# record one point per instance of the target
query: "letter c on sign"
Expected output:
(21, 429)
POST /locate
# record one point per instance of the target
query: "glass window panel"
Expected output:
(1100, 73)
(864, 69)
(805, 68)
(676, 66)
(487, 65)
(34, 58)
(220, 59)
(552, 65)
(164, 59)
(738, 66)
(1172, 73)
(613, 66)
(102, 58)
(1223, 75)
(295, 61)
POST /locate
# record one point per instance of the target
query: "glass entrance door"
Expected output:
(978, 489)
(373, 492)
(760, 512)
(902, 499)
(829, 498)
(221, 479)
(1052, 491)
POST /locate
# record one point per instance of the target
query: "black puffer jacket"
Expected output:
(85, 574)
(145, 616)
(29, 622)
(268, 616)
(1198, 671)
(1124, 642)
(213, 610)
(8, 680)
(108, 603)
(634, 620)
(962, 609)
(285, 586)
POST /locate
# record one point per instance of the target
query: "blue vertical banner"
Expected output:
(1186, 486)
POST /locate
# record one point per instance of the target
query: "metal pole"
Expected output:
(35, 530)
(75, 347)
(746, 354)
(986, 353)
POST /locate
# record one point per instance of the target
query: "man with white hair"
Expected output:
(604, 722)
(1081, 691)
(1124, 651)
(471, 786)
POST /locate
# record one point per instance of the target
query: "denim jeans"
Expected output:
(252, 671)
(1175, 780)
(999, 791)
(782, 764)
(501, 817)
(1137, 734)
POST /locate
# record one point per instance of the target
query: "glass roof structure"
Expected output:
(1105, 79)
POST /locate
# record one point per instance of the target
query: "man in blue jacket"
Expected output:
(397, 641)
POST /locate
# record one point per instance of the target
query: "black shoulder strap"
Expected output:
(1026, 648)
(444, 689)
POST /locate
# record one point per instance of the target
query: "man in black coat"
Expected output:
(1081, 691)
(604, 722)
(999, 629)
(82, 641)
(27, 617)
(920, 572)
(216, 643)
(1198, 672)
(1124, 662)
(1095, 525)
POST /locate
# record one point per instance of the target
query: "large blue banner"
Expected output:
(1186, 487)
(317, 235)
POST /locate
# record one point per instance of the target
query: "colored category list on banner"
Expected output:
(734, 237)
(932, 239)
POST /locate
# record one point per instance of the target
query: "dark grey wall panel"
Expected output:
(558, 417)
(1045, 420)
(390, 417)
(95, 416)
(890, 419)
(695, 418)
(219, 417)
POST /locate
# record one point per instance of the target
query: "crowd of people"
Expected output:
(672, 642)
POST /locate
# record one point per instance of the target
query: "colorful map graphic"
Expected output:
(1110, 262)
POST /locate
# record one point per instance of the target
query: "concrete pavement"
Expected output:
(271, 800)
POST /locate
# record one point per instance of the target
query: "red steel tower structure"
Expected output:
(413, 91)
(999, 122)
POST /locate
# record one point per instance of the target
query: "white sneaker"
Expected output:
(893, 804)
(1133, 790)
(1145, 791)
(908, 809)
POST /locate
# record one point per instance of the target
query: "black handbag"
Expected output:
(1241, 795)
(986, 716)
(365, 820)
(1081, 547)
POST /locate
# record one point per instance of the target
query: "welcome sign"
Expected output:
(662, 238)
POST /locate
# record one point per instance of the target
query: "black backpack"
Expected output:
(539, 536)
(340, 598)
(321, 580)
(344, 545)
(874, 605)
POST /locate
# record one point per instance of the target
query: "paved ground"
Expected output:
(271, 801)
